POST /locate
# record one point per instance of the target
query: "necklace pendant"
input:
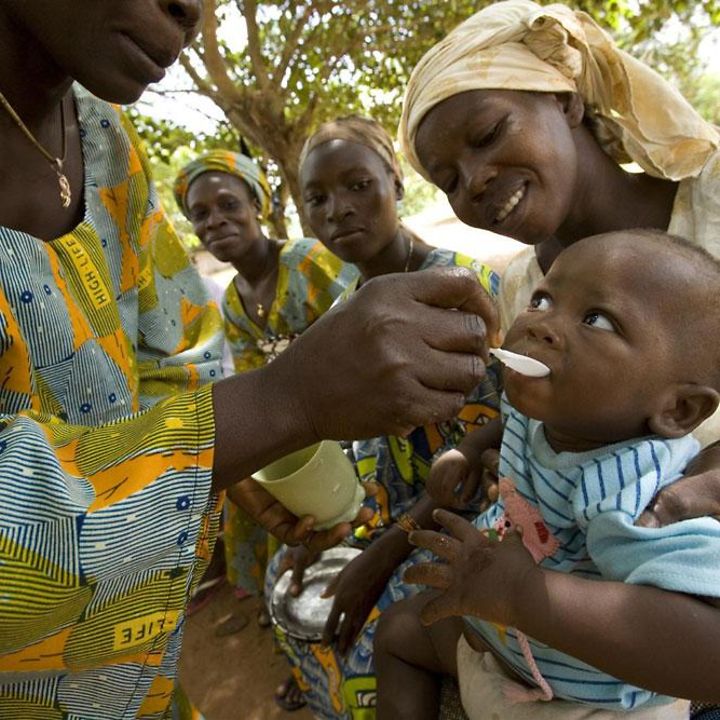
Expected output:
(260, 310)
(63, 182)
(65, 191)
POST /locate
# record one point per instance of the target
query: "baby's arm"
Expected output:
(664, 641)
(456, 475)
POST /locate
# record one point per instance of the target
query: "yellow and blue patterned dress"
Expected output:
(343, 687)
(106, 446)
(310, 279)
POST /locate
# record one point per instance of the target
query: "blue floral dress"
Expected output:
(344, 688)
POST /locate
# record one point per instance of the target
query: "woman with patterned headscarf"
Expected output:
(547, 84)
(279, 290)
(525, 116)
(351, 183)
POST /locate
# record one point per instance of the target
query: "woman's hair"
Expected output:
(520, 45)
(229, 162)
(357, 129)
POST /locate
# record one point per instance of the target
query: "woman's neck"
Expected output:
(262, 262)
(30, 80)
(611, 199)
(405, 252)
(41, 95)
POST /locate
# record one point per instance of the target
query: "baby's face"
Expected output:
(599, 320)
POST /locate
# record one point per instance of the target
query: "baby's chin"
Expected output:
(530, 396)
(558, 427)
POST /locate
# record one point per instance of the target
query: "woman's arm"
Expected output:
(358, 587)
(390, 359)
(663, 641)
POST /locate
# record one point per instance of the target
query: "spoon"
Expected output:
(521, 363)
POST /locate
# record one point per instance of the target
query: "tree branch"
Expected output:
(212, 57)
(201, 83)
(291, 46)
(254, 50)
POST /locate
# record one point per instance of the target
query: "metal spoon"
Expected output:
(521, 363)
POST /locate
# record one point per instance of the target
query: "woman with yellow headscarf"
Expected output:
(605, 109)
(526, 116)
(280, 289)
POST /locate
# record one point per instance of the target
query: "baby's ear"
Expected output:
(399, 189)
(685, 408)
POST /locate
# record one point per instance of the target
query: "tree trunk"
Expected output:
(283, 143)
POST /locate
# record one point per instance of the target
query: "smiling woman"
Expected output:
(525, 116)
(281, 287)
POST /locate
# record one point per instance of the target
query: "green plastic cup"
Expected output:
(318, 480)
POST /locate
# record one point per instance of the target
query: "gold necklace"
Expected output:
(259, 307)
(55, 162)
(411, 247)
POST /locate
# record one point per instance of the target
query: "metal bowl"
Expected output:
(303, 617)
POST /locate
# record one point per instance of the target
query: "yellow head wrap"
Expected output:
(520, 45)
(228, 162)
(357, 129)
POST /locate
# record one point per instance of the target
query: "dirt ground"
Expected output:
(234, 677)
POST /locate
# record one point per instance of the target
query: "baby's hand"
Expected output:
(452, 481)
(480, 576)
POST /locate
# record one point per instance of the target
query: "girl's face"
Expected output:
(350, 199)
(115, 49)
(223, 212)
(506, 160)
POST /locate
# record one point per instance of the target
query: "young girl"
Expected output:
(351, 184)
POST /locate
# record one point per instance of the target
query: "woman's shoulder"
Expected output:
(98, 115)
(306, 248)
(108, 136)
(442, 257)
(295, 250)
(311, 259)
(518, 281)
(696, 210)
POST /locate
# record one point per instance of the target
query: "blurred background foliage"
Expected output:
(276, 70)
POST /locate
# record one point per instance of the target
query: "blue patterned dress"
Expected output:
(344, 688)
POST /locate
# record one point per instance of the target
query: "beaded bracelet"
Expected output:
(407, 523)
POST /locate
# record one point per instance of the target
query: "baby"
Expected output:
(628, 325)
